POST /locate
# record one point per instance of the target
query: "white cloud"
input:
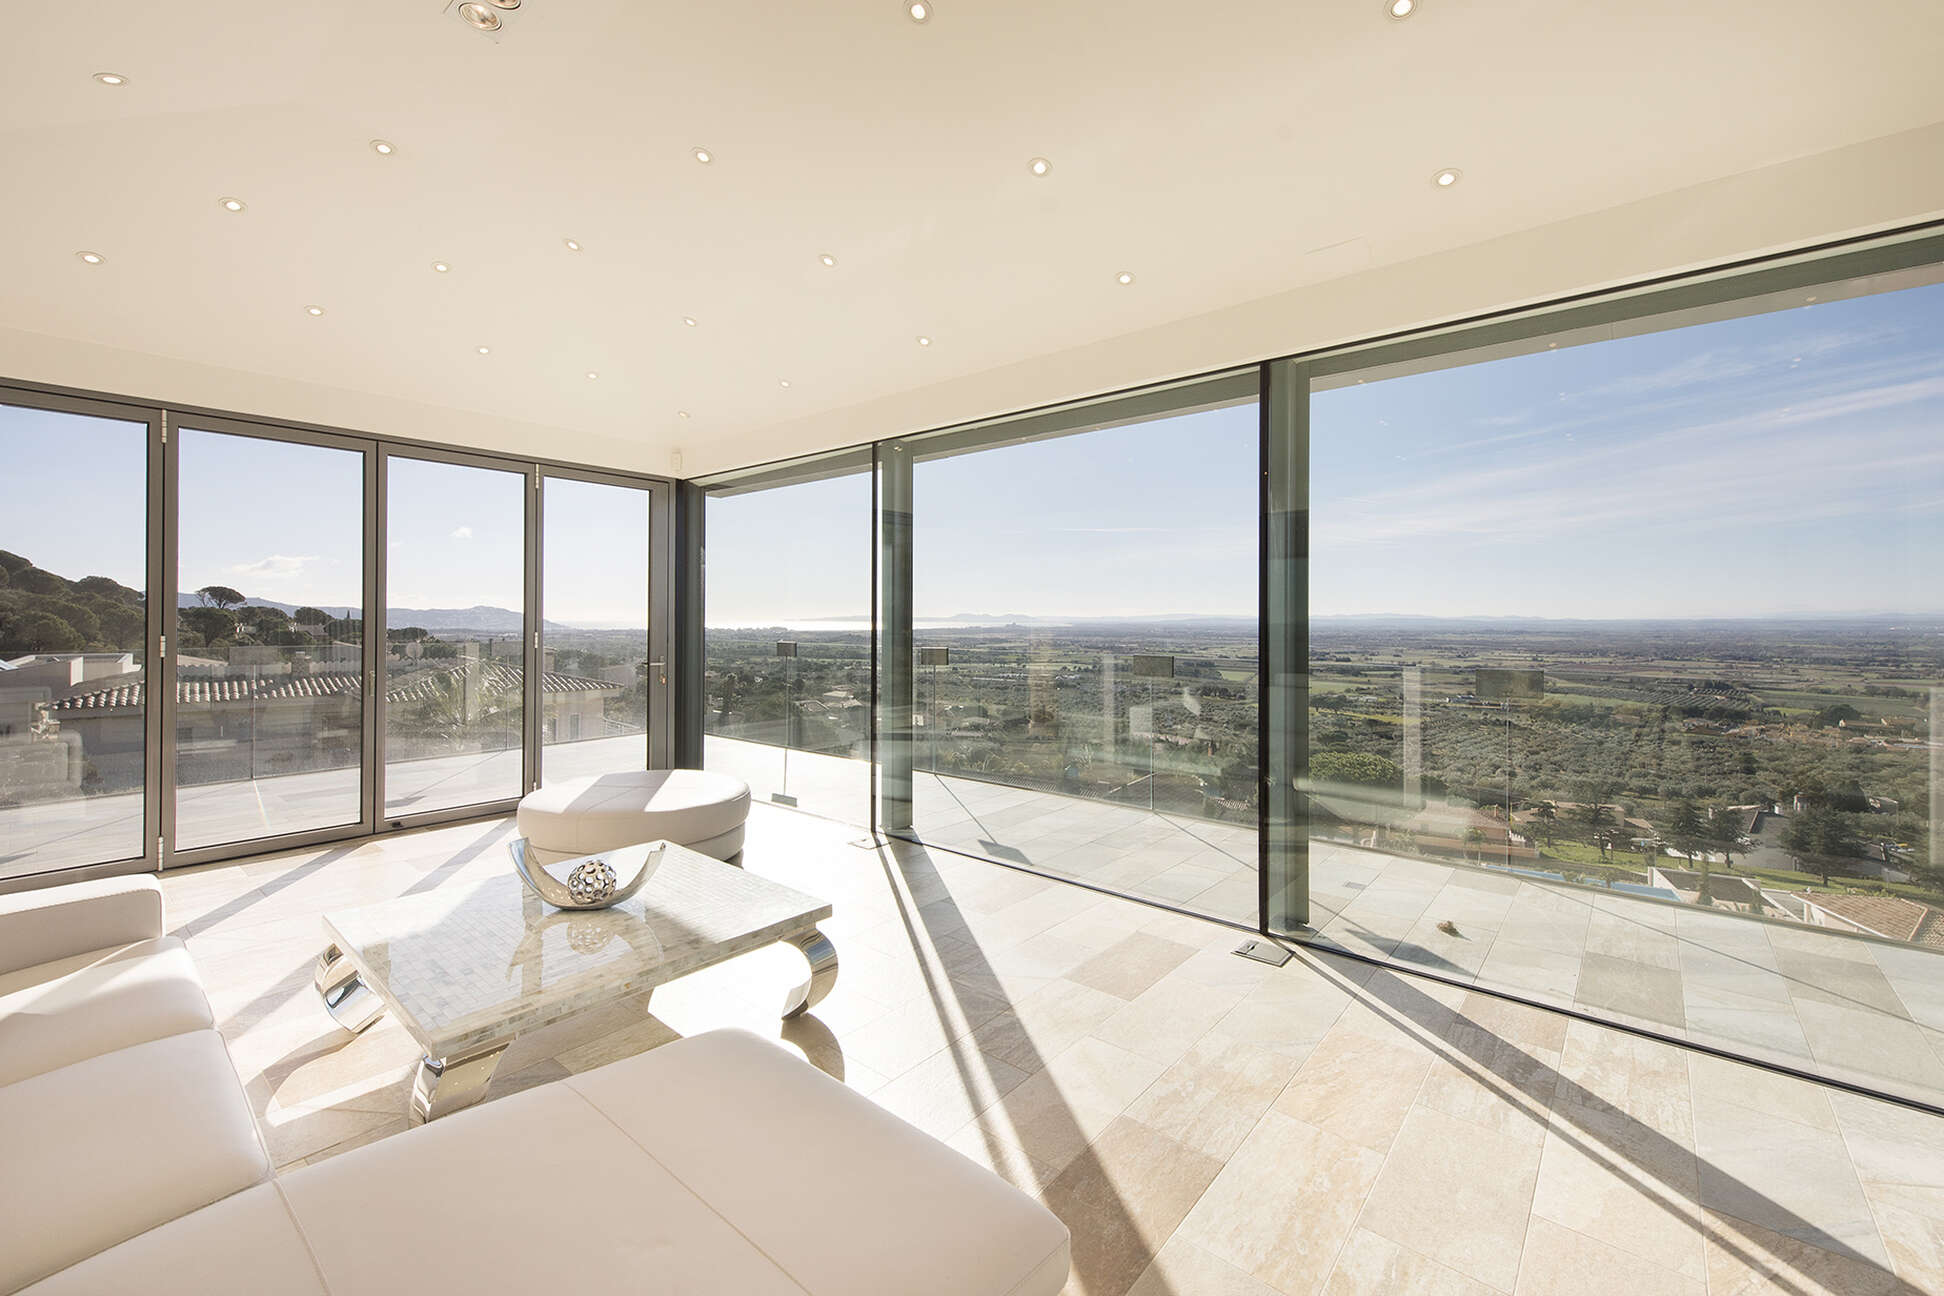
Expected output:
(462, 533)
(276, 567)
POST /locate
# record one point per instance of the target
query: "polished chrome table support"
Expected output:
(822, 955)
(346, 997)
(444, 1085)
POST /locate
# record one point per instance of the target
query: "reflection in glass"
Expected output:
(788, 643)
(73, 610)
(594, 629)
(453, 702)
(1086, 657)
(269, 638)
(1625, 658)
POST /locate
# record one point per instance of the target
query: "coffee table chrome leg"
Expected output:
(346, 997)
(444, 1085)
(822, 954)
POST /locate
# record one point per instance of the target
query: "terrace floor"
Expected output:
(1203, 1123)
(1863, 1011)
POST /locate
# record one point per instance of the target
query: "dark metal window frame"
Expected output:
(164, 421)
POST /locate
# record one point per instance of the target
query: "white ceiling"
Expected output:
(1222, 153)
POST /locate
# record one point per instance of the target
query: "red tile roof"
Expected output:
(1889, 916)
(320, 684)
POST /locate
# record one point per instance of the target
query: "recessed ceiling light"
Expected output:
(383, 148)
(313, 310)
(232, 204)
(505, 4)
(441, 267)
(111, 78)
(1039, 166)
(703, 156)
(479, 16)
(681, 414)
(919, 11)
(92, 258)
(591, 375)
(782, 382)
(1447, 177)
(1401, 8)
(923, 340)
(828, 259)
(1124, 278)
(689, 320)
(485, 350)
(571, 245)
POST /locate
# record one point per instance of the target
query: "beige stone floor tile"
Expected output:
(1747, 1260)
(1284, 1202)
(1168, 1017)
(1123, 1198)
(1046, 1023)
(906, 1035)
(295, 1135)
(1910, 1219)
(1003, 1157)
(1182, 1268)
(1214, 1094)
(1457, 1192)
(1128, 968)
(945, 1091)
(1054, 1114)
(1644, 1205)
(1560, 1262)
(1370, 1265)
(397, 1125)
(1766, 1092)
(1357, 1087)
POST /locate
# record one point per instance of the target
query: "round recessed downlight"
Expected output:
(1400, 8)
(1039, 166)
(782, 382)
(919, 11)
(828, 259)
(383, 148)
(232, 204)
(571, 245)
(1124, 278)
(591, 375)
(681, 414)
(505, 4)
(480, 16)
(703, 156)
(689, 320)
(441, 267)
(111, 78)
(92, 258)
(923, 340)
(485, 350)
(1447, 177)
(313, 310)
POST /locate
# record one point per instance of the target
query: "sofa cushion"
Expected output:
(582, 816)
(244, 1245)
(537, 1192)
(843, 1196)
(102, 1150)
(72, 1009)
(56, 922)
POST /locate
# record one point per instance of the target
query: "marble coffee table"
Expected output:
(466, 970)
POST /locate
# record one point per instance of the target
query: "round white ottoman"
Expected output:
(699, 809)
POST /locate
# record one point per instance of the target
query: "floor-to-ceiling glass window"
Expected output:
(787, 675)
(596, 674)
(1084, 654)
(1626, 658)
(455, 593)
(268, 659)
(73, 654)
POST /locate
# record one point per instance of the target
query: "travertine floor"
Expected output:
(1203, 1123)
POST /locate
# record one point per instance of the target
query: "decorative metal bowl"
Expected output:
(593, 881)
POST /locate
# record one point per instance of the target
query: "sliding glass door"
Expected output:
(74, 637)
(269, 726)
(455, 635)
(603, 668)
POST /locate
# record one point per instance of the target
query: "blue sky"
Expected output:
(1779, 463)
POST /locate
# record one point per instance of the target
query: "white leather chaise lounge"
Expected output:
(129, 1160)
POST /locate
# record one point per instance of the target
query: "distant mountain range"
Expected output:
(489, 620)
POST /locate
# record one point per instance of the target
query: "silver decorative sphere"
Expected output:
(591, 882)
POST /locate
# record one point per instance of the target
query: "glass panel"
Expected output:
(1627, 658)
(594, 629)
(1085, 697)
(269, 648)
(788, 644)
(73, 621)
(454, 635)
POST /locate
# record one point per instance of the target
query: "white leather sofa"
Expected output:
(714, 1164)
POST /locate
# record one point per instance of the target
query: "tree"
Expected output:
(1592, 813)
(310, 616)
(1362, 769)
(212, 623)
(36, 581)
(1548, 817)
(1686, 833)
(39, 632)
(1818, 838)
(219, 596)
(1725, 832)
